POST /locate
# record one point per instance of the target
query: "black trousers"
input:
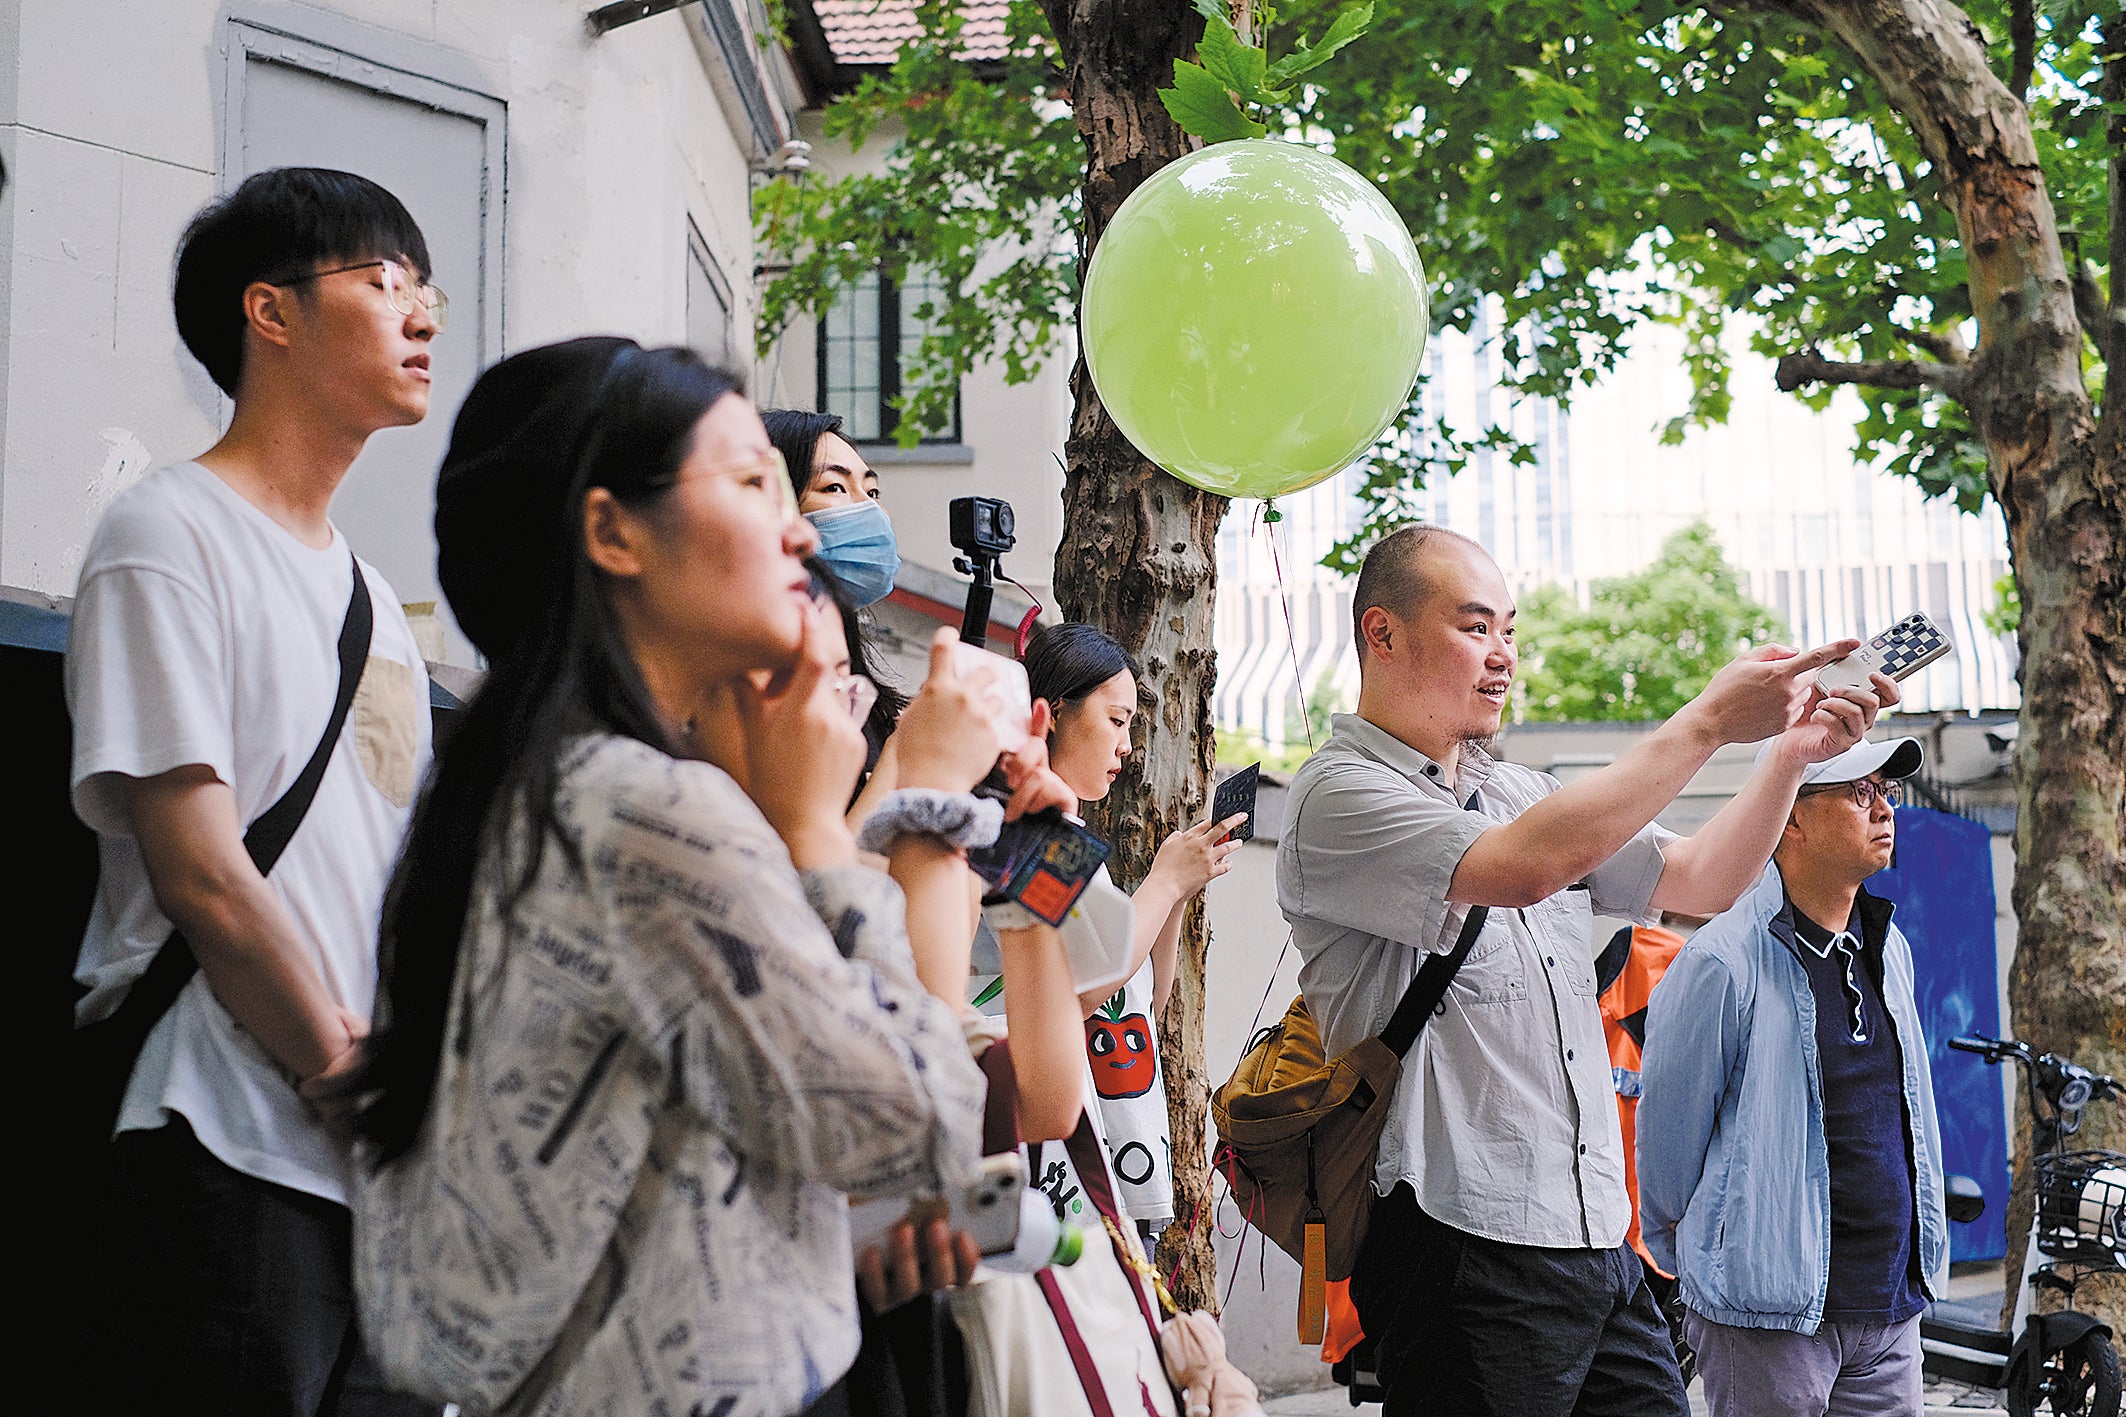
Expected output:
(911, 1364)
(223, 1293)
(1468, 1326)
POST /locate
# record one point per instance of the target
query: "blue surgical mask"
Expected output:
(857, 544)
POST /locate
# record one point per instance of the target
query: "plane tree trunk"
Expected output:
(1138, 559)
(2059, 473)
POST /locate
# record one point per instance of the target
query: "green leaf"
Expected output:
(1201, 105)
(1238, 66)
(1347, 26)
(1212, 10)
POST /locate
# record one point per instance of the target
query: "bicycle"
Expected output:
(2062, 1363)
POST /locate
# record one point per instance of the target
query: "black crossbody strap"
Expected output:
(174, 963)
(1430, 984)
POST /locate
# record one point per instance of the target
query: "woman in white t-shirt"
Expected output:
(1090, 685)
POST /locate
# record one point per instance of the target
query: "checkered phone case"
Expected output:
(1904, 649)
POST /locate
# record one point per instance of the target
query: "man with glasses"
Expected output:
(1789, 1158)
(219, 621)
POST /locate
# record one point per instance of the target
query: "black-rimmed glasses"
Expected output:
(1862, 793)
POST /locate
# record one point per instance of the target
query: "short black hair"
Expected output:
(796, 432)
(279, 224)
(1392, 576)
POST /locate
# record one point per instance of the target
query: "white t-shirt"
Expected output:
(1122, 1047)
(205, 633)
(1125, 1094)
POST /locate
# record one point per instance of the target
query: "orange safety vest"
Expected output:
(1626, 972)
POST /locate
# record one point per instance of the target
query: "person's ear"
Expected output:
(1379, 629)
(1791, 835)
(612, 535)
(270, 312)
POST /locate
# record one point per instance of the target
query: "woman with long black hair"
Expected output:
(646, 1019)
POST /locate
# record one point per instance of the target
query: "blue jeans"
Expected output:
(1465, 1325)
(227, 1294)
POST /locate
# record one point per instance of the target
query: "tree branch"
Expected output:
(1949, 348)
(2089, 302)
(1810, 367)
(2022, 37)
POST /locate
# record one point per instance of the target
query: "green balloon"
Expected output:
(1254, 317)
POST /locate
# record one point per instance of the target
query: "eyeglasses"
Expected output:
(1862, 793)
(405, 293)
(770, 471)
(861, 694)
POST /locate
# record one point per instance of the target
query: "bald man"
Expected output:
(1494, 1276)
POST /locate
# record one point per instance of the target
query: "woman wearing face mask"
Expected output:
(611, 1121)
(1090, 685)
(837, 491)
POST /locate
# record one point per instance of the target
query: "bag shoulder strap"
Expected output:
(1429, 986)
(275, 827)
(1086, 1155)
(1081, 1358)
(153, 994)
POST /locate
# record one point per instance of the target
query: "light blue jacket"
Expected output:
(1734, 1174)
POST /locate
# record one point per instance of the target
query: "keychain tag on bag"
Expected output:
(1314, 1284)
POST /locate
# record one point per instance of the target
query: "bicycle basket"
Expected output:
(2081, 1207)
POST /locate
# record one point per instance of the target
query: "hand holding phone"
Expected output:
(1002, 686)
(1237, 795)
(1897, 653)
(981, 1209)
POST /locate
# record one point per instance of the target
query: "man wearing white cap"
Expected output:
(1789, 1158)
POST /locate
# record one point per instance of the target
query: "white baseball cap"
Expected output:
(1894, 758)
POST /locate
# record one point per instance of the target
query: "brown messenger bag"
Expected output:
(1298, 1132)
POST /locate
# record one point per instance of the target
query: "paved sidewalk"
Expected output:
(1943, 1400)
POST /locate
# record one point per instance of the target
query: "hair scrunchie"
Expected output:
(958, 819)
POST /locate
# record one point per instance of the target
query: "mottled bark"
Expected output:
(1138, 559)
(2060, 478)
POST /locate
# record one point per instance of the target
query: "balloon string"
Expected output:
(1291, 635)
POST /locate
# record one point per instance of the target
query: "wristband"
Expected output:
(958, 819)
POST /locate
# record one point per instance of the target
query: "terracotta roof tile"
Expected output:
(868, 32)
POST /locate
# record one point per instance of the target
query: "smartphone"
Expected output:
(1003, 685)
(1903, 650)
(987, 1209)
(1237, 794)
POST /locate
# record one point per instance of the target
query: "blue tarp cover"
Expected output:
(1942, 885)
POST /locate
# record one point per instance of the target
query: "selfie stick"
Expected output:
(974, 621)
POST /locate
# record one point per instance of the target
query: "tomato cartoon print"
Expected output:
(1120, 1046)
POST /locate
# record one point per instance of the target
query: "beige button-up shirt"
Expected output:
(1504, 1122)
